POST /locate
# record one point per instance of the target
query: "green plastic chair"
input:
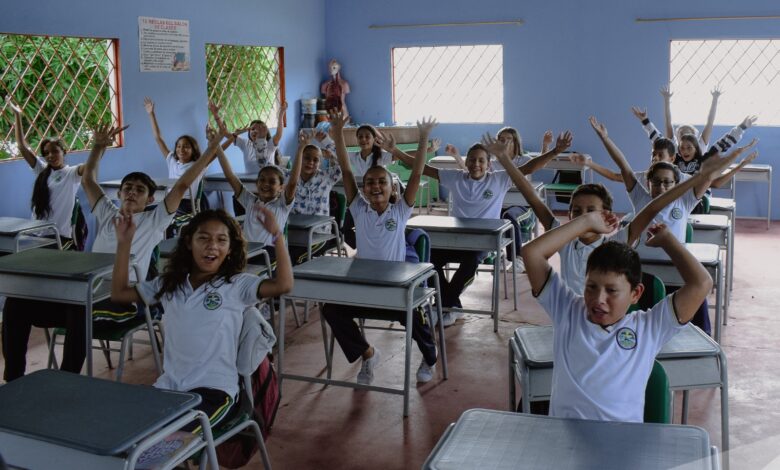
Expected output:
(688, 233)
(654, 292)
(658, 396)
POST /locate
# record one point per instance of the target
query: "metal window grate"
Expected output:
(64, 85)
(452, 83)
(247, 82)
(747, 70)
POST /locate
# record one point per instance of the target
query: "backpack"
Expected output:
(415, 247)
(239, 449)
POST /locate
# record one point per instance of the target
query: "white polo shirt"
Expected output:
(202, 328)
(176, 169)
(361, 165)
(380, 236)
(472, 198)
(150, 230)
(575, 254)
(675, 215)
(312, 197)
(601, 373)
(253, 229)
(257, 154)
(63, 185)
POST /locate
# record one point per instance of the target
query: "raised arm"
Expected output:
(103, 136)
(337, 121)
(542, 212)
(707, 132)
(652, 132)
(24, 148)
(698, 282)
(453, 152)
(149, 107)
(282, 282)
(121, 290)
(387, 143)
(561, 145)
(547, 139)
(617, 156)
(538, 251)
(410, 193)
(295, 173)
(731, 137)
(723, 163)
(586, 161)
(230, 137)
(666, 93)
(726, 177)
(280, 124)
(182, 185)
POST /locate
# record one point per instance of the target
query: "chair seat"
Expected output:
(109, 331)
(562, 187)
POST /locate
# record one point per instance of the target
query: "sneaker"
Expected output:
(265, 311)
(519, 265)
(449, 318)
(366, 374)
(425, 372)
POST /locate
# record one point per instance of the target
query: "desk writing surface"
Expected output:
(73, 265)
(161, 183)
(504, 440)
(436, 223)
(361, 271)
(14, 225)
(243, 177)
(705, 253)
(98, 416)
(304, 222)
(709, 221)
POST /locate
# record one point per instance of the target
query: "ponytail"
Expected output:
(376, 155)
(41, 196)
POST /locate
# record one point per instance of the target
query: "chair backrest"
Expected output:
(658, 396)
(705, 204)
(567, 177)
(341, 207)
(654, 292)
(418, 243)
(688, 233)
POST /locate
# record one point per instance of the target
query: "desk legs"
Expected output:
(88, 326)
(720, 315)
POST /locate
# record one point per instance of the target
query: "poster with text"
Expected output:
(164, 44)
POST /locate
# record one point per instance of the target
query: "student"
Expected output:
(312, 195)
(596, 198)
(272, 193)
(603, 356)
(186, 153)
(259, 149)
(474, 193)
(380, 223)
(204, 293)
(135, 193)
(56, 184)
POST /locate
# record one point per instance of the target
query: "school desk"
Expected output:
(301, 231)
(22, 234)
(460, 233)
(691, 360)
(716, 229)
(70, 277)
(373, 284)
(55, 419)
(219, 182)
(502, 440)
(755, 173)
(655, 261)
(112, 187)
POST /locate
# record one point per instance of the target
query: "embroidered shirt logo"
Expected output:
(57, 177)
(487, 194)
(626, 338)
(391, 225)
(212, 301)
(677, 213)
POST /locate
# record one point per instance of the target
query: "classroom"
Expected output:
(441, 74)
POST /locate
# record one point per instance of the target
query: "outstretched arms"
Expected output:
(562, 143)
(625, 169)
(282, 282)
(102, 137)
(337, 122)
(707, 132)
(24, 148)
(280, 124)
(667, 95)
(410, 193)
(179, 189)
(149, 107)
(295, 174)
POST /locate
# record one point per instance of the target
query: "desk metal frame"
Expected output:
(407, 296)
(717, 230)
(18, 234)
(760, 174)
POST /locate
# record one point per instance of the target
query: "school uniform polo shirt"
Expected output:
(520, 160)
(257, 154)
(575, 254)
(253, 228)
(601, 372)
(63, 185)
(176, 169)
(312, 197)
(675, 215)
(202, 328)
(380, 236)
(472, 198)
(150, 230)
(361, 165)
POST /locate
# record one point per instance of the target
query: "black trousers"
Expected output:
(347, 333)
(468, 264)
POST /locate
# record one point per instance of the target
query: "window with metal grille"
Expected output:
(748, 71)
(66, 86)
(246, 82)
(452, 83)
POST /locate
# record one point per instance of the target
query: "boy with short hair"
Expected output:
(603, 356)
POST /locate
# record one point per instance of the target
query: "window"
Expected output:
(65, 86)
(246, 82)
(748, 71)
(452, 83)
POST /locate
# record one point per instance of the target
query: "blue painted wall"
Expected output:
(568, 61)
(297, 25)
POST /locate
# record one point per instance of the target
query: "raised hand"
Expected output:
(103, 136)
(659, 235)
(666, 92)
(603, 221)
(266, 217)
(148, 105)
(579, 159)
(304, 138)
(547, 138)
(749, 121)
(385, 141)
(9, 101)
(338, 119)
(210, 132)
(320, 135)
(563, 142)
(124, 226)
(750, 157)
(600, 128)
(426, 125)
(451, 150)
(640, 113)
(435, 145)
(496, 147)
(716, 92)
